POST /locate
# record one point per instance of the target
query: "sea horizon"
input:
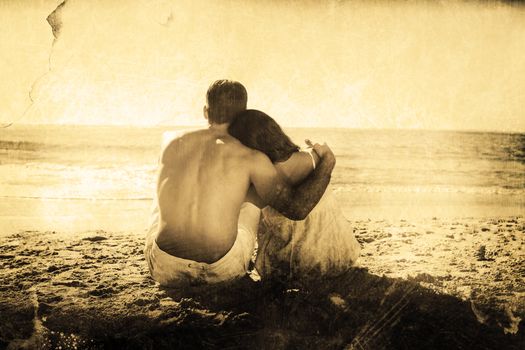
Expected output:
(284, 126)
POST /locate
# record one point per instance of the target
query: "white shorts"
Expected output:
(170, 270)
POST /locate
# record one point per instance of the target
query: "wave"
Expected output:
(493, 190)
(80, 198)
(345, 190)
(45, 146)
(350, 146)
(21, 145)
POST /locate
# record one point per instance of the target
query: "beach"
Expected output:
(440, 217)
(92, 290)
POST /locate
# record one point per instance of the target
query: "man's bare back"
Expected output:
(203, 180)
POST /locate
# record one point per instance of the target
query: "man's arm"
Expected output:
(293, 202)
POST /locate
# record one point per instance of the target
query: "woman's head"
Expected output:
(259, 131)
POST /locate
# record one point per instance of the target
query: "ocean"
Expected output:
(98, 177)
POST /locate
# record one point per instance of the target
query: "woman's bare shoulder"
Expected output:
(297, 167)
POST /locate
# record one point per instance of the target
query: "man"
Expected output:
(207, 186)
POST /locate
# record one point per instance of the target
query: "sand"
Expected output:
(429, 283)
(481, 261)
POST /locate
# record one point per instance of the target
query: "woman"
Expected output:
(323, 243)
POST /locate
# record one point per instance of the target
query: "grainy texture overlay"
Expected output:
(422, 104)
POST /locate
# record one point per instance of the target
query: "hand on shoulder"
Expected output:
(323, 151)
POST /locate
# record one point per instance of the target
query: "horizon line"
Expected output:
(8, 125)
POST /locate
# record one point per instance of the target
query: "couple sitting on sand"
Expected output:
(242, 180)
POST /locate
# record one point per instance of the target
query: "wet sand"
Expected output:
(428, 283)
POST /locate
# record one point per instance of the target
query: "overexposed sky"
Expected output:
(430, 65)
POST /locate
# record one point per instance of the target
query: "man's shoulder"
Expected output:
(172, 140)
(256, 161)
(245, 151)
(199, 135)
(169, 136)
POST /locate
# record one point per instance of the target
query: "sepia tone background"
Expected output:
(422, 103)
(427, 65)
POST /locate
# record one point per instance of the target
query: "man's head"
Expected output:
(224, 100)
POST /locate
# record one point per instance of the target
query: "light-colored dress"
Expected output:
(323, 243)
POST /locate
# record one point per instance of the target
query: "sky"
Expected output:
(376, 64)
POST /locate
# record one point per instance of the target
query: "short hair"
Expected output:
(257, 130)
(225, 99)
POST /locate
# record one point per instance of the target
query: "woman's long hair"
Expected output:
(259, 131)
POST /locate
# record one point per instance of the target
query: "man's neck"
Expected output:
(219, 128)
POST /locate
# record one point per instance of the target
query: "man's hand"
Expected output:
(294, 203)
(323, 151)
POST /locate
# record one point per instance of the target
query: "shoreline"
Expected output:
(77, 216)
